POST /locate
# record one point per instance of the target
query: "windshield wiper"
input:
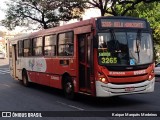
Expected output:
(116, 42)
(138, 43)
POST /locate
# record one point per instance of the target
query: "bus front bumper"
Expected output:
(107, 90)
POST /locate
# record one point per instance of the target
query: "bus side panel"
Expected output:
(19, 70)
(51, 77)
(55, 81)
(44, 79)
(56, 68)
(11, 67)
(43, 71)
(31, 76)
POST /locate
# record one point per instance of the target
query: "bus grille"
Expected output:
(127, 79)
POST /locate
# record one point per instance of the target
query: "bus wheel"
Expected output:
(25, 79)
(68, 88)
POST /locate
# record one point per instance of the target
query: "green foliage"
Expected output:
(115, 7)
(48, 13)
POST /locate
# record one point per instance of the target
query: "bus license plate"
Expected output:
(129, 89)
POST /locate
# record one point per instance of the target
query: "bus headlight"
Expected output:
(102, 78)
(150, 76)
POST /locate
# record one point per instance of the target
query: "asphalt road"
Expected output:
(16, 97)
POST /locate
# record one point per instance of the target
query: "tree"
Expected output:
(48, 13)
(111, 6)
(150, 12)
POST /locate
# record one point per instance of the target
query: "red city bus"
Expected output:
(101, 57)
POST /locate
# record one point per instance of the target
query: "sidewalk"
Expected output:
(4, 62)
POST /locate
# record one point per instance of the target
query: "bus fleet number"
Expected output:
(106, 60)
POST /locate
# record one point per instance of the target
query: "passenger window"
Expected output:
(50, 45)
(37, 46)
(27, 48)
(20, 48)
(65, 44)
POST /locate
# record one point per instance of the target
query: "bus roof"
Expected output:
(54, 30)
(67, 27)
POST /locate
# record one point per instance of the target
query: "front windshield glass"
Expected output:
(125, 48)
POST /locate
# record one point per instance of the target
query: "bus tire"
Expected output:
(25, 79)
(68, 88)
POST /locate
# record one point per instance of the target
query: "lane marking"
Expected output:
(4, 68)
(5, 85)
(78, 108)
(4, 71)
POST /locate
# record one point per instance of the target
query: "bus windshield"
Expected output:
(125, 48)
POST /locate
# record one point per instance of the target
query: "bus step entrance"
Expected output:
(84, 90)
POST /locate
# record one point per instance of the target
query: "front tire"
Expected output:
(68, 88)
(25, 79)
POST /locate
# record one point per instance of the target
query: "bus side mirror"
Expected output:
(95, 41)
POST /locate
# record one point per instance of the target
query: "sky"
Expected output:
(2, 13)
(2, 8)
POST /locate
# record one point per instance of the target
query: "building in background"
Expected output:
(3, 46)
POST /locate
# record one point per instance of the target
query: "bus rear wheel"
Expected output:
(68, 88)
(25, 79)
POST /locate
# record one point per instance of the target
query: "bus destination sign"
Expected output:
(122, 23)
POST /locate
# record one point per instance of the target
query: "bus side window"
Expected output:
(20, 48)
(10, 50)
(65, 44)
(27, 48)
(37, 46)
(50, 45)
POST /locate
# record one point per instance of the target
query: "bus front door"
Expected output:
(14, 59)
(84, 48)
